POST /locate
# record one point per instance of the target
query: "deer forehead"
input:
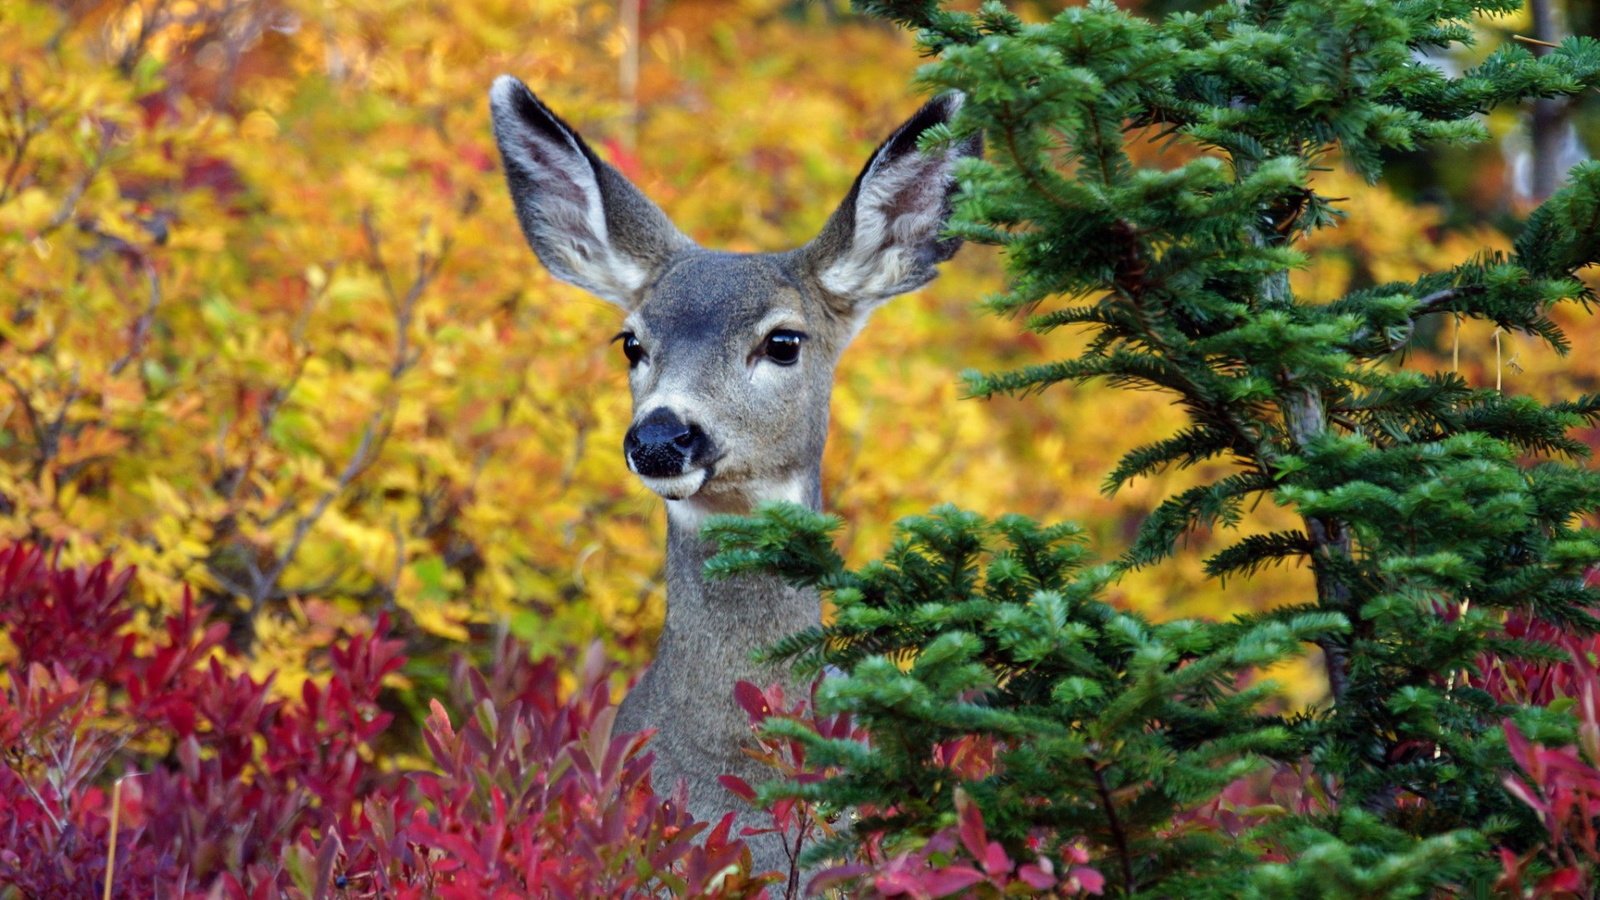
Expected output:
(718, 303)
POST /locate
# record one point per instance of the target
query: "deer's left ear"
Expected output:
(587, 223)
(886, 237)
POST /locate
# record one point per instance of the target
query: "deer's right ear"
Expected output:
(588, 224)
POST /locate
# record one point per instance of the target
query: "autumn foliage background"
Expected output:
(268, 331)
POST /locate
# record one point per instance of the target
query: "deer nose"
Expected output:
(661, 445)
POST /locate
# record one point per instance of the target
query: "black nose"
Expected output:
(661, 445)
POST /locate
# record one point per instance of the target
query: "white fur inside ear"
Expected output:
(569, 219)
(899, 211)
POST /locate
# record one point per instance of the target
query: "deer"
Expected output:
(731, 360)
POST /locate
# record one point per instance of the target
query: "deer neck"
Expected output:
(714, 623)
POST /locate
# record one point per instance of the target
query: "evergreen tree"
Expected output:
(1429, 508)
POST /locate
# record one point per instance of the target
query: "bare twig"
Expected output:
(42, 804)
(1522, 38)
(1346, 423)
(46, 436)
(150, 22)
(69, 203)
(140, 333)
(375, 256)
(25, 134)
(264, 585)
(111, 842)
(59, 424)
(31, 414)
(363, 456)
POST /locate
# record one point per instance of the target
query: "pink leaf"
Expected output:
(950, 880)
(1037, 875)
(1524, 793)
(1091, 879)
(995, 860)
(1517, 744)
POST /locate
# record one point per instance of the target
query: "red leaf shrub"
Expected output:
(962, 861)
(1561, 784)
(232, 791)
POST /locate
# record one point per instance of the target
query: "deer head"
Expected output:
(731, 356)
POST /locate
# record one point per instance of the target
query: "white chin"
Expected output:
(678, 487)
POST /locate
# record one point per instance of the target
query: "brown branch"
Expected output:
(1119, 838)
(377, 430)
(47, 437)
(25, 133)
(69, 203)
(1432, 302)
(375, 256)
(263, 584)
(1522, 38)
(31, 414)
(141, 326)
(1307, 419)
(1435, 302)
(147, 28)
(18, 152)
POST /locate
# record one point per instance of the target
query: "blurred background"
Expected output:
(268, 329)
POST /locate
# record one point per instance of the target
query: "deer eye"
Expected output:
(631, 348)
(783, 347)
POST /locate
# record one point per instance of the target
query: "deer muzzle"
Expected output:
(670, 456)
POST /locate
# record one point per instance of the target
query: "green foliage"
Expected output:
(1354, 857)
(1107, 724)
(1428, 508)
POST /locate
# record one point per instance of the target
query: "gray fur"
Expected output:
(702, 319)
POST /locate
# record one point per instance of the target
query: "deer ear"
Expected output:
(587, 223)
(885, 238)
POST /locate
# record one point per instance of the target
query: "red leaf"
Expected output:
(1568, 880)
(738, 786)
(752, 700)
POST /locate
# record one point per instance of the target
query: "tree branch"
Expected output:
(1119, 837)
(1436, 302)
(264, 585)
(140, 333)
